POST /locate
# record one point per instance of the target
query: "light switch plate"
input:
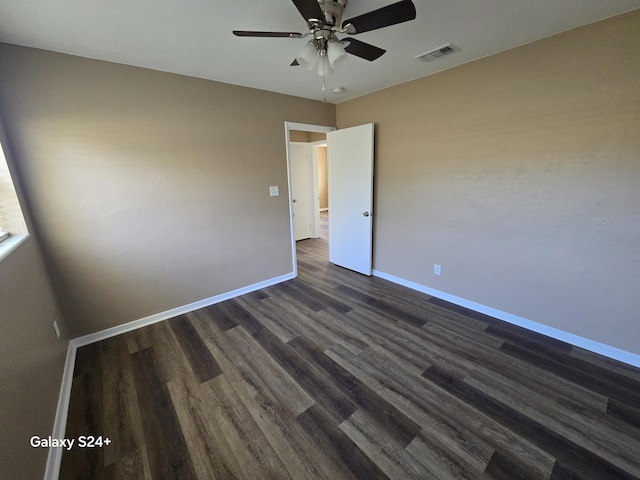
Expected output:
(274, 191)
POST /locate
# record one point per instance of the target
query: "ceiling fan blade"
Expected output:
(383, 17)
(363, 50)
(250, 33)
(309, 9)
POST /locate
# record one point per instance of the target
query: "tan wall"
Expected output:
(317, 136)
(322, 177)
(302, 136)
(519, 174)
(298, 136)
(31, 361)
(143, 186)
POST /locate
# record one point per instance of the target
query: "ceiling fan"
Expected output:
(324, 21)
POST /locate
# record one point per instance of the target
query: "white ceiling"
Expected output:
(193, 37)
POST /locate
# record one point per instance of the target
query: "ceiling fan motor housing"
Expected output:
(332, 10)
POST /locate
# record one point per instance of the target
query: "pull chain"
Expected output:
(324, 90)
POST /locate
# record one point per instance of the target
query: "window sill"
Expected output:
(10, 244)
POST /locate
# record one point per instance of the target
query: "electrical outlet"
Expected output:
(437, 269)
(57, 329)
(274, 191)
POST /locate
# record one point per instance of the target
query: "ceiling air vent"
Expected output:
(440, 52)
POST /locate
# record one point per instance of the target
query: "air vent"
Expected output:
(440, 52)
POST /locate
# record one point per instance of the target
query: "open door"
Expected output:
(351, 197)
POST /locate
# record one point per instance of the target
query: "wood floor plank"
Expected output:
(314, 298)
(440, 461)
(202, 363)
(397, 425)
(588, 358)
(336, 445)
(138, 339)
(390, 457)
(218, 315)
(401, 341)
(625, 413)
(504, 467)
(299, 319)
(237, 314)
(577, 458)
(268, 319)
(586, 432)
(170, 361)
(243, 439)
(169, 456)
(308, 323)
(335, 375)
(267, 374)
(627, 392)
(340, 333)
(312, 379)
(121, 419)
(382, 307)
(285, 316)
(422, 401)
(445, 450)
(207, 448)
(289, 441)
(530, 340)
(477, 357)
(134, 465)
(84, 418)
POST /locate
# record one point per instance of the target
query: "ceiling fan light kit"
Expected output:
(324, 21)
(308, 57)
(336, 53)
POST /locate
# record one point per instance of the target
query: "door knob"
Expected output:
(365, 214)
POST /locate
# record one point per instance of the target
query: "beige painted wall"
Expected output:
(520, 175)
(31, 356)
(302, 136)
(143, 187)
(31, 361)
(298, 136)
(322, 177)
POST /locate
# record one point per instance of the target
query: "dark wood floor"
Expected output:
(338, 376)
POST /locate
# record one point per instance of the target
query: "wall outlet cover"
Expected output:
(274, 191)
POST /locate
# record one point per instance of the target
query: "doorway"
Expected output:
(300, 139)
(350, 194)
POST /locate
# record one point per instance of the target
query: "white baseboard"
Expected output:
(593, 346)
(54, 458)
(174, 312)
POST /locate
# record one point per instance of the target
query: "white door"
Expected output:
(300, 190)
(351, 197)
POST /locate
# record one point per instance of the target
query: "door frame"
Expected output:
(305, 127)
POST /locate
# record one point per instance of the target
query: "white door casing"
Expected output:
(350, 166)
